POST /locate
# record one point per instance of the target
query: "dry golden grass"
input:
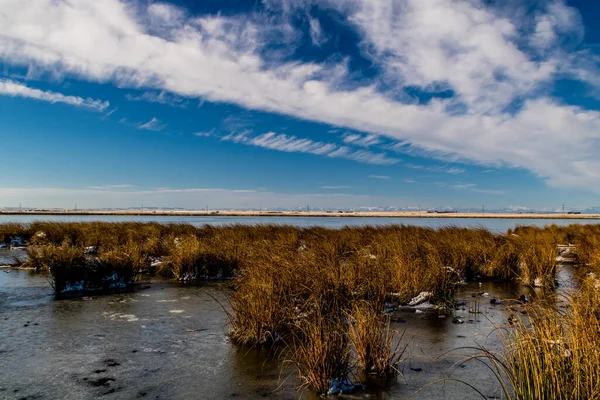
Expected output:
(373, 339)
(553, 352)
(556, 353)
(319, 344)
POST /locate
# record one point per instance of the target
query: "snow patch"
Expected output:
(421, 298)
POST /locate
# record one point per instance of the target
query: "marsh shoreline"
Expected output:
(324, 214)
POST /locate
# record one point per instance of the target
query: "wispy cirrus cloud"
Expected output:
(112, 187)
(16, 89)
(160, 97)
(152, 125)
(438, 168)
(385, 177)
(317, 36)
(470, 187)
(293, 144)
(335, 187)
(361, 140)
(205, 133)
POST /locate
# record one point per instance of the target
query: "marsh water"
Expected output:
(493, 224)
(169, 341)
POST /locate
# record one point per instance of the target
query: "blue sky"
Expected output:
(288, 103)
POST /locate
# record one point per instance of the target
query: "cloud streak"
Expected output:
(15, 89)
(472, 187)
(152, 125)
(293, 144)
(161, 98)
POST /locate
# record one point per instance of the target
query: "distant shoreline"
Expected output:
(374, 214)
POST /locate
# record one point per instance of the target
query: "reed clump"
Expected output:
(320, 346)
(555, 353)
(11, 232)
(378, 350)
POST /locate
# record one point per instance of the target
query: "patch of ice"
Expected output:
(151, 350)
(389, 308)
(340, 386)
(17, 241)
(424, 306)
(129, 317)
(90, 249)
(119, 317)
(421, 298)
(75, 287)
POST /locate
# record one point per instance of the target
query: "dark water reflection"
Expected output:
(167, 341)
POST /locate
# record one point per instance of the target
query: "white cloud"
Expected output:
(110, 112)
(467, 46)
(455, 171)
(205, 133)
(438, 168)
(361, 140)
(293, 144)
(152, 125)
(470, 187)
(335, 187)
(316, 33)
(385, 177)
(15, 89)
(120, 186)
(160, 97)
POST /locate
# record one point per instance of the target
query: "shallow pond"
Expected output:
(167, 341)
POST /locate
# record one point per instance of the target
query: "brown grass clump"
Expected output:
(554, 353)
(263, 304)
(11, 231)
(559, 355)
(370, 333)
(320, 347)
(72, 270)
(538, 261)
(68, 266)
